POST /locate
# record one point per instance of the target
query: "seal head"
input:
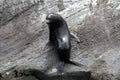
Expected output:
(53, 18)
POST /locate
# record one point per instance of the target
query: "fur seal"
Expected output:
(59, 36)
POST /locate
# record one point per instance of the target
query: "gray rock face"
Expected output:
(24, 35)
(10, 9)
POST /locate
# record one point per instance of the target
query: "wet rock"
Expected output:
(32, 74)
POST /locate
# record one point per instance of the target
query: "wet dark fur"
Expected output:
(59, 35)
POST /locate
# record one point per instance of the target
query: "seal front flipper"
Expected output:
(74, 38)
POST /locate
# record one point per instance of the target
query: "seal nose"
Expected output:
(48, 18)
(47, 21)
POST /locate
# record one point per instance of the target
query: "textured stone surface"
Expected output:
(10, 9)
(32, 74)
(24, 35)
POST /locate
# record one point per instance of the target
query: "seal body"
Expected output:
(59, 35)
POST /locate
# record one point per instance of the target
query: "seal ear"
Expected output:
(73, 37)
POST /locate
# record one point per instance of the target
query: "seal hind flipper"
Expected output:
(75, 63)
